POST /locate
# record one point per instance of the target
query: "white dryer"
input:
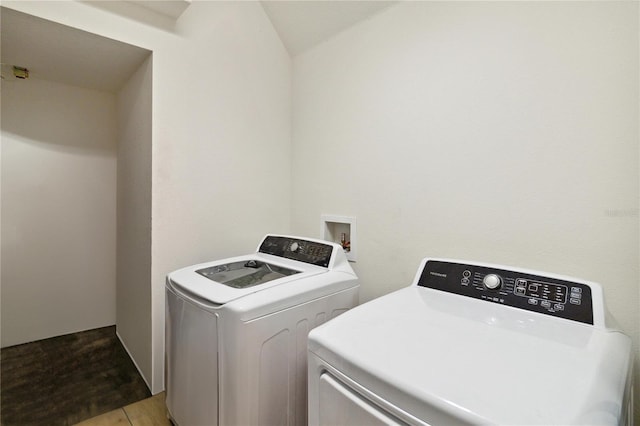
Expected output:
(236, 331)
(471, 343)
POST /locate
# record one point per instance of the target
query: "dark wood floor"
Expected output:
(67, 379)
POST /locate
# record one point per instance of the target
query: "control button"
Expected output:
(520, 291)
(466, 273)
(545, 304)
(464, 281)
(576, 296)
(575, 301)
(576, 290)
(492, 281)
(533, 288)
(558, 307)
(521, 282)
(294, 247)
(533, 301)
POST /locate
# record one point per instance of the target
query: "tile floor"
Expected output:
(148, 412)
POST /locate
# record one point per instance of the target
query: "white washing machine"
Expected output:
(236, 331)
(471, 343)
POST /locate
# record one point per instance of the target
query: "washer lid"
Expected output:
(226, 280)
(424, 350)
(243, 274)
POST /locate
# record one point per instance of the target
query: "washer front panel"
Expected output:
(543, 294)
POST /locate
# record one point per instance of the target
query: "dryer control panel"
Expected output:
(298, 249)
(546, 295)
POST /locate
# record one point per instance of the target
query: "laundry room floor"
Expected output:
(148, 412)
(67, 379)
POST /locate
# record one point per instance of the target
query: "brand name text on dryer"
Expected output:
(438, 274)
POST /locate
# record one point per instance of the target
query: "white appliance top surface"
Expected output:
(218, 293)
(481, 362)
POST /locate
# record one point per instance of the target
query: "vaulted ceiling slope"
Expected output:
(303, 24)
(59, 53)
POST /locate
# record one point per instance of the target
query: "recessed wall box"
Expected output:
(341, 230)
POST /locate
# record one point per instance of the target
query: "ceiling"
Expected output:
(67, 55)
(59, 53)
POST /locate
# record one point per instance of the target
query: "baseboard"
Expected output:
(134, 361)
(66, 333)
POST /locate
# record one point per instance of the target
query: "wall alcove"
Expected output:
(76, 182)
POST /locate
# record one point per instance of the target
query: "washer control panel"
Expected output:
(297, 249)
(546, 295)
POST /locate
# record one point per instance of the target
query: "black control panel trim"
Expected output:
(301, 250)
(545, 295)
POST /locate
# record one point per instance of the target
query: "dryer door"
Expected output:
(340, 406)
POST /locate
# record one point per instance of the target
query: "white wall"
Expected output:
(221, 134)
(58, 217)
(133, 290)
(504, 132)
(222, 145)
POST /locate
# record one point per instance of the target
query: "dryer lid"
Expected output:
(427, 351)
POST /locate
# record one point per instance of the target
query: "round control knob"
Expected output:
(294, 247)
(492, 281)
